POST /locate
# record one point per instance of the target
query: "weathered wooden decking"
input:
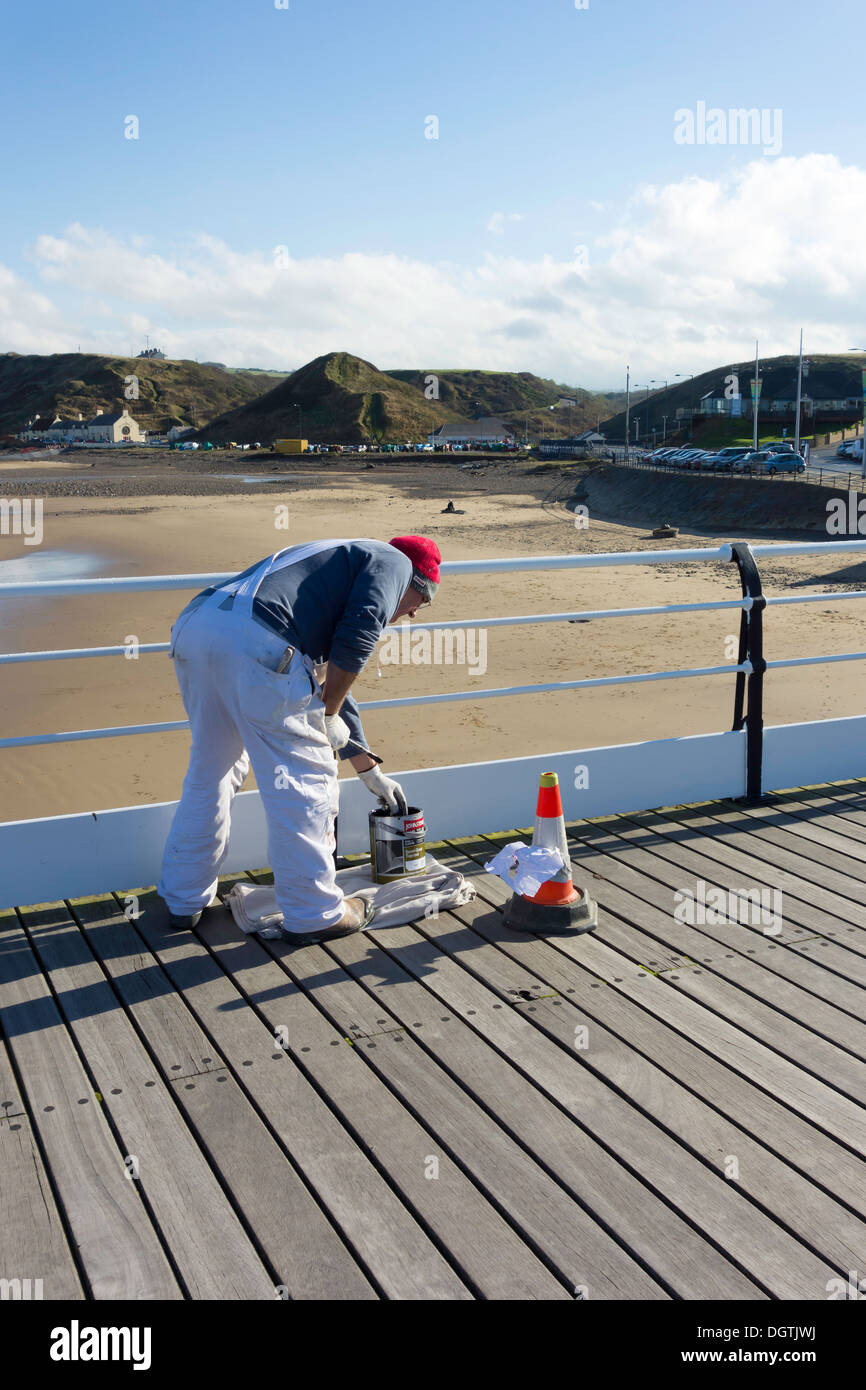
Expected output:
(451, 1110)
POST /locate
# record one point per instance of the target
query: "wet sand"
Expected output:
(507, 512)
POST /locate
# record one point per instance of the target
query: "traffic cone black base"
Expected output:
(551, 919)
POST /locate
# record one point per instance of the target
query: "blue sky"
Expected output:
(304, 128)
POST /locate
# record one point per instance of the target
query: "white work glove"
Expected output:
(389, 792)
(337, 730)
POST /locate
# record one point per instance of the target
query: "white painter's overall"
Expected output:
(242, 712)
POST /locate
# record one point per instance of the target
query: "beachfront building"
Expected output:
(575, 446)
(487, 430)
(105, 428)
(54, 430)
(117, 428)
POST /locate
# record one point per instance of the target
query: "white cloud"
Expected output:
(684, 280)
(497, 222)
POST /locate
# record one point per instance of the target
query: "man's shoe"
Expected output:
(358, 913)
(179, 921)
(183, 923)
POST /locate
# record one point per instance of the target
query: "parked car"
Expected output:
(727, 458)
(783, 446)
(786, 463)
(765, 461)
(723, 463)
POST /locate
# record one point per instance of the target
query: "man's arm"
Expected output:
(339, 681)
(337, 685)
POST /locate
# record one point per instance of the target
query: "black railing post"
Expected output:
(749, 694)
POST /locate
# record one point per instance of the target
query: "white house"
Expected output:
(105, 428)
(118, 428)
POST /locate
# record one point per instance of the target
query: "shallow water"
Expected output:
(51, 564)
(258, 477)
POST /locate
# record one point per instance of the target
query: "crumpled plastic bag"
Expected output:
(524, 868)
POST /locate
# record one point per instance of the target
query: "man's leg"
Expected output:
(297, 778)
(198, 840)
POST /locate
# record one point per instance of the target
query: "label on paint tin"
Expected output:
(396, 845)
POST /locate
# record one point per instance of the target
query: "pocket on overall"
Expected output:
(274, 700)
(315, 798)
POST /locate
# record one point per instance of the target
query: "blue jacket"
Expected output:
(334, 606)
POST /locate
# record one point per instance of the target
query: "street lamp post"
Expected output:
(644, 386)
(627, 402)
(863, 440)
(799, 397)
(300, 418)
(662, 381)
(691, 377)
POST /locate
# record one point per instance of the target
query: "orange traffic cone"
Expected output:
(558, 906)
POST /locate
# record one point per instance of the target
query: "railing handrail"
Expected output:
(600, 559)
(750, 663)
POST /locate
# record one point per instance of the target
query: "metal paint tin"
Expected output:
(397, 845)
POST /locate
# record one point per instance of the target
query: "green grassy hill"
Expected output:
(170, 392)
(514, 396)
(829, 377)
(342, 398)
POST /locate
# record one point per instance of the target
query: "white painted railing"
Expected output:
(95, 851)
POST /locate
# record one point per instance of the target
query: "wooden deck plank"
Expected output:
(812, 1099)
(655, 1076)
(801, 988)
(496, 1261)
(312, 1263)
(210, 1248)
(830, 815)
(816, 1154)
(821, 1037)
(774, 1258)
(783, 814)
(116, 1242)
(156, 1006)
(33, 1244)
(654, 1231)
(676, 866)
(600, 1171)
(307, 1255)
(550, 1219)
(32, 1240)
(11, 1103)
(734, 828)
(648, 933)
(843, 952)
(829, 912)
(380, 1230)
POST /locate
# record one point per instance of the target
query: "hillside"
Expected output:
(514, 396)
(169, 392)
(829, 377)
(341, 398)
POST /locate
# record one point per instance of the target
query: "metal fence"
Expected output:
(748, 670)
(849, 481)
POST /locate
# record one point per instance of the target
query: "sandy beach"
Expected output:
(507, 511)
